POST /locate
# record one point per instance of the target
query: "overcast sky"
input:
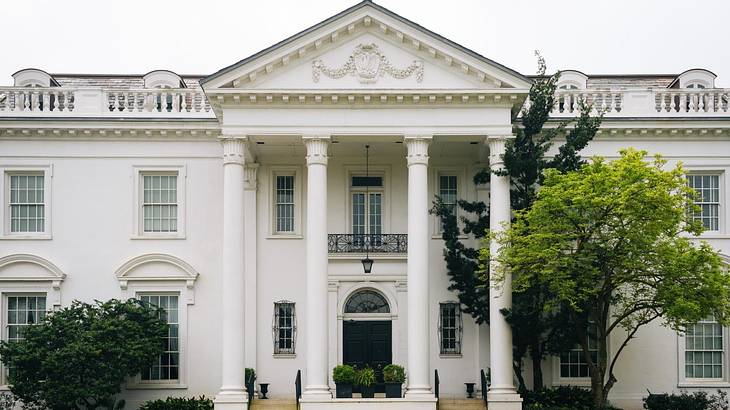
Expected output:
(200, 37)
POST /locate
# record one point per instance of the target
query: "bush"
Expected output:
(365, 377)
(343, 374)
(559, 398)
(393, 373)
(79, 356)
(250, 375)
(686, 401)
(179, 403)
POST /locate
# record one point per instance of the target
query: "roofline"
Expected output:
(348, 11)
(99, 75)
(645, 75)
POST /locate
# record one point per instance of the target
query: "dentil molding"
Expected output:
(367, 63)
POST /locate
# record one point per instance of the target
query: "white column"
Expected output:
(502, 394)
(232, 395)
(250, 260)
(317, 386)
(419, 374)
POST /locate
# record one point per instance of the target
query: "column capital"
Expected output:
(417, 146)
(497, 146)
(316, 148)
(250, 172)
(234, 149)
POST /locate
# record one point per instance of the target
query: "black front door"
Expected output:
(368, 343)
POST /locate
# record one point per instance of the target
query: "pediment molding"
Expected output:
(51, 272)
(367, 63)
(184, 272)
(366, 17)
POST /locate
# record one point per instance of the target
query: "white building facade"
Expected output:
(242, 202)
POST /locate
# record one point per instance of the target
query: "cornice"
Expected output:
(25, 131)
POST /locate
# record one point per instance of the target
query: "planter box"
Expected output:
(393, 390)
(367, 392)
(343, 391)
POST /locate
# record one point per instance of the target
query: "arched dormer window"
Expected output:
(695, 78)
(34, 78)
(164, 79)
(570, 80)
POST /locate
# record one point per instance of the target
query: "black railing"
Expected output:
(373, 243)
(485, 387)
(298, 386)
(436, 383)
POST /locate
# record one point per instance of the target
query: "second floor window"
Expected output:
(448, 190)
(166, 368)
(707, 199)
(27, 203)
(367, 208)
(450, 328)
(284, 328)
(704, 351)
(284, 197)
(159, 203)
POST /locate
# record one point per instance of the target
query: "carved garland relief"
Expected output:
(367, 63)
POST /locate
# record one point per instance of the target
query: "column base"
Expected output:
(231, 401)
(419, 392)
(315, 393)
(504, 401)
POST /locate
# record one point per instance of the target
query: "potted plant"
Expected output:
(249, 380)
(365, 378)
(344, 377)
(394, 376)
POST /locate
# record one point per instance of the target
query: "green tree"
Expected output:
(78, 357)
(525, 161)
(611, 242)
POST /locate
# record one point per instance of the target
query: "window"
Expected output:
(22, 311)
(284, 196)
(704, 351)
(573, 363)
(367, 208)
(367, 301)
(284, 328)
(159, 202)
(450, 328)
(448, 190)
(708, 199)
(27, 203)
(167, 366)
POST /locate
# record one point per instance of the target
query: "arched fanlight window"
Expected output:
(367, 301)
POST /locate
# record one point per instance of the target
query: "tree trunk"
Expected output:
(517, 367)
(536, 355)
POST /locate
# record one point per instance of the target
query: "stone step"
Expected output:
(461, 404)
(274, 404)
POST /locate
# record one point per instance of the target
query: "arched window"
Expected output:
(367, 301)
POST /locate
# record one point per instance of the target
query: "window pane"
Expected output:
(707, 199)
(284, 197)
(450, 328)
(159, 203)
(284, 328)
(704, 353)
(166, 366)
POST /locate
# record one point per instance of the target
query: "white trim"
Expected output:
(54, 278)
(285, 170)
(187, 274)
(138, 171)
(683, 381)
(381, 170)
(6, 171)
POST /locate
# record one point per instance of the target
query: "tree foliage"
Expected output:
(78, 357)
(611, 244)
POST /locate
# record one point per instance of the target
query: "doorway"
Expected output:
(368, 343)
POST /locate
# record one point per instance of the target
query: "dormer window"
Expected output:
(572, 80)
(163, 79)
(33, 77)
(695, 78)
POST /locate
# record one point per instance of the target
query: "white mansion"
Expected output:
(242, 202)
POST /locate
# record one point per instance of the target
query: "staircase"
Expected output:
(461, 404)
(274, 404)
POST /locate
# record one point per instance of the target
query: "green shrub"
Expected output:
(250, 375)
(365, 377)
(179, 403)
(393, 373)
(343, 374)
(560, 398)
(686, 401)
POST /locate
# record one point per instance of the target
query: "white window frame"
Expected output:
(275, 330)
(721, 209)
(460, 174)
(23, 291)
(7, 171)
(457, 353)
(558, 380)
(296, 172)
(385, 205)
(683, 381)
(180, 308)
(138, 186)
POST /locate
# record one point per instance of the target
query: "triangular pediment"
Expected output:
(366, 47)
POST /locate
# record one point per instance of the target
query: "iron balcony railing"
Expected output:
(372, 243)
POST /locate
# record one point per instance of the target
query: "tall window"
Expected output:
(708, 199)
(23, 311)
(572, 362)
(284, 197)
(159, 202)
(704, 351)
(450, 328)
(285, 327)
(448, 190)
(167, 366)
(367, 207)
(27, 203)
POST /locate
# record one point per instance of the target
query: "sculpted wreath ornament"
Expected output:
(367, 63)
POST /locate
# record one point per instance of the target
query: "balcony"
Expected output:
(649, 103)
(96, 102)
(371, 243)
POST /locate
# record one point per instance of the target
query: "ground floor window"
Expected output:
(22, 310)
(284, 327)
(704, 351)
(573, 363)
(450, 328)
(167, 366)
